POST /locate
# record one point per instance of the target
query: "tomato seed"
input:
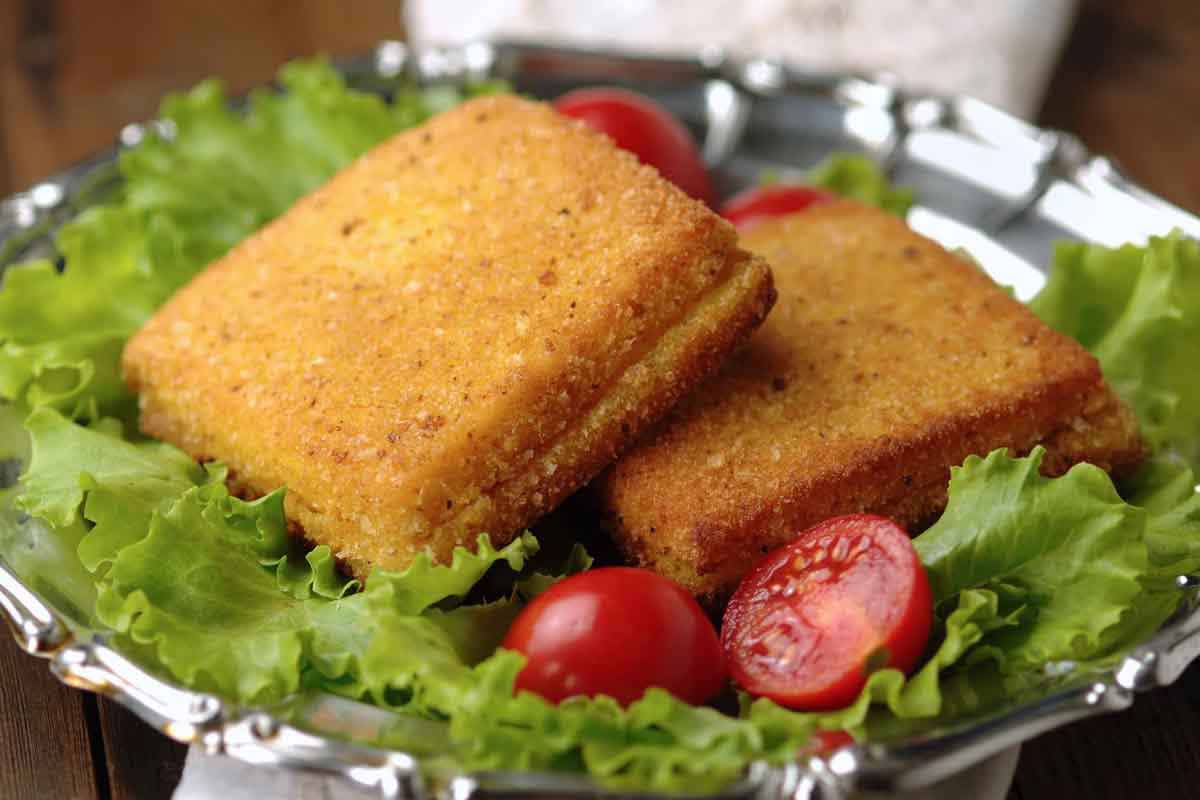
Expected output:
(841, 549)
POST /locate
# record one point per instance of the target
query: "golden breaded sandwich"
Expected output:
(886, 361)
(456, 332)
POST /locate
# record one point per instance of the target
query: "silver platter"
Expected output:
(986, 182)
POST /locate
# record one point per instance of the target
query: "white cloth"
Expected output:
(1001, 52)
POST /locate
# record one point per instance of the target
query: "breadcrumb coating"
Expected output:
(886, 361)
(453, 334)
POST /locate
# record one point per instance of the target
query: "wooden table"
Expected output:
(1128, 83)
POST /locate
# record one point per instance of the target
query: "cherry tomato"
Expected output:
(752, 206)
(646, 129)
(813, 618)
(617, 631)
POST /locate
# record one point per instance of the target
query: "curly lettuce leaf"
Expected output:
(217, 619)
(1137, 309)
(62, 332)
(1004, 516)
(424, 584)
(859, 178)
(68, 458)
(855, 177)
(659, 742)
(213, 616)
(1071, 548)
(225, 173)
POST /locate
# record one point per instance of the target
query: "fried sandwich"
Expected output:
(886, 361)
(457, 331)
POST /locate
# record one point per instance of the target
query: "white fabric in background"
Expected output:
(1001, 51)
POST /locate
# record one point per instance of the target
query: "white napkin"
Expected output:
(1001, 52)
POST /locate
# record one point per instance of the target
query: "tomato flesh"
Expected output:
(638, 124)
(812, 619)
(617, 631)
(759, 203)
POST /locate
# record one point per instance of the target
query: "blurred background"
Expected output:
(1124, 75)
(72, 72)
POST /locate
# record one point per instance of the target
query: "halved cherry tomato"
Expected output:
(638, 124)
(617, 631)
(813, 618)
(752, 206)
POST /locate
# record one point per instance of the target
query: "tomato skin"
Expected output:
(805, 624)
(756, 204)
(641, 126)
(617, 631)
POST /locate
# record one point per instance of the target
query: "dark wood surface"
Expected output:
(48, 733)
(1128, 83)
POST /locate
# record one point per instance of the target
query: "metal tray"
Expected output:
(987, 182)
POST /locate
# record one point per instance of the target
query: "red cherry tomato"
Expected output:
(752, 206)
(617, 631)
(810, 621)
(646, 129)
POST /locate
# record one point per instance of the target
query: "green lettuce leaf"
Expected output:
(425, 584)
(217, 619)
(859, 178)
(68, 458)
(213, 616)
(1070, 548)
(44, 557)
(1003, 517)
(62, 332)
(855, 177)
(1138, 310)
(659, 742)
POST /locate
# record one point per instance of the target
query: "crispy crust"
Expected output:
(886, 361)
(454, 333)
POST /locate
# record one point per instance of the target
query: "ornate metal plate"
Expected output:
(986, 181)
